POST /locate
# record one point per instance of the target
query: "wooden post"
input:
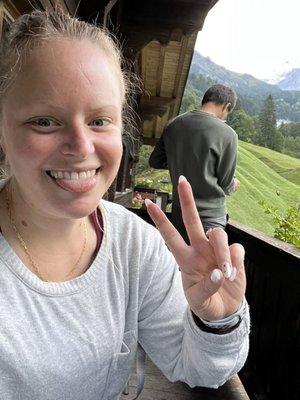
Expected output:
(60, 4)
(71, 4)
(1, 17)
(46, 4)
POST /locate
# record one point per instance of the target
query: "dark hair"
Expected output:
(220, 94)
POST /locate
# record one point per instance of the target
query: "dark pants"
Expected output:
(207, 222)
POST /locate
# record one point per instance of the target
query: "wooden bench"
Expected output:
(157, 387)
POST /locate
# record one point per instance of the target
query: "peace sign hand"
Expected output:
(212, 272)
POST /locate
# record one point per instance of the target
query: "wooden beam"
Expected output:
(47, 5)
(1, 17)
(153, 106)
(10, 10)
(72, 6)
(160, 71)
(181, 60)
(150, 141)
(61, 4)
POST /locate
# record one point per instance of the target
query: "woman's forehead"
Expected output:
(68, 68)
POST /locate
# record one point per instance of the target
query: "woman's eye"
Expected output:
(43, 122)
(99, 122)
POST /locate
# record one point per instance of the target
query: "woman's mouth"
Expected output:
(74, 181)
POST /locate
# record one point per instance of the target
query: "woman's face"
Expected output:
(61, 128)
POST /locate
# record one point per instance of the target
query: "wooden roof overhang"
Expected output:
(159, 37)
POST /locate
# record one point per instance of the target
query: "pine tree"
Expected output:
(267, 124)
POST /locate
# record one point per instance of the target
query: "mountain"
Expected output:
(251, 91)
(291, 81)
(240, 82)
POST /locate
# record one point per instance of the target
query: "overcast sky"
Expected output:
(259, 37)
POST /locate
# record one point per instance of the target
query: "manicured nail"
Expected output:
(233, 274)
(216, 275)
(182, 179)
(148, 202)
(227, 269)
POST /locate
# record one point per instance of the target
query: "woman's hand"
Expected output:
(212, 272)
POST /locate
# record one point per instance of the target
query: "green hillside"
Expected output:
(286, 166)
(264, 174)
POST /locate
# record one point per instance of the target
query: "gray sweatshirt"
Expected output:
(77, 340)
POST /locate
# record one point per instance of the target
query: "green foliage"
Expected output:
(144, 182)
(290, 129)
(243, 125)
(155, 179)
(291, 146)
(287, 224)
(267, 125)
(291, 138)
(143, 162)
(190, 100)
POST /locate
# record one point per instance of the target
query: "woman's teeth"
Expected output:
(72, 175)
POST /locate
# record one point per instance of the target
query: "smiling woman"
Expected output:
(83, 280)
(63, 132)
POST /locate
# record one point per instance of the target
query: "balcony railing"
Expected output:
(273, 292)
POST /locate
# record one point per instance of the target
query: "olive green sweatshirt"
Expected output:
(203, 148)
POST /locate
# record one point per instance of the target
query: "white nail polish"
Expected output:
(233, 274)
(182, 179)
(216, 275)
(227, 269)
(148, 202)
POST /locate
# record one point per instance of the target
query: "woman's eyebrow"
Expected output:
(60, 108)
(108, 107)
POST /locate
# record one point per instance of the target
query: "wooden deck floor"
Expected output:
(157, 387)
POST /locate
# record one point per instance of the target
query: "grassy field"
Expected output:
(264, 174)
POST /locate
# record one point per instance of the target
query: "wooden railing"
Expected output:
(273, 292)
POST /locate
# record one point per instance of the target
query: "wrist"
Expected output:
(221, 330)
(224, 325)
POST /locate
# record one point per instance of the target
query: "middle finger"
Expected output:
(189, 212)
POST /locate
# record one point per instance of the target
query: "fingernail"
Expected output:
(182, 179)
(216, 275)
(148, 202)
(233, 274)
(227, 269)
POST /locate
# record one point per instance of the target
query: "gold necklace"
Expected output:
(24, 246)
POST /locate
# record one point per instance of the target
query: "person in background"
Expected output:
(202, 147)
(84, 281)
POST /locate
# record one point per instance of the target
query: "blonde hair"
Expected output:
(32, 30)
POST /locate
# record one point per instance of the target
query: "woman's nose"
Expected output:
(78, 143)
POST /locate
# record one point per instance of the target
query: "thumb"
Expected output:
(203, 291)
(208, 286)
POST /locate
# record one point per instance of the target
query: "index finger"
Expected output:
(189, 212)
(171, 236)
